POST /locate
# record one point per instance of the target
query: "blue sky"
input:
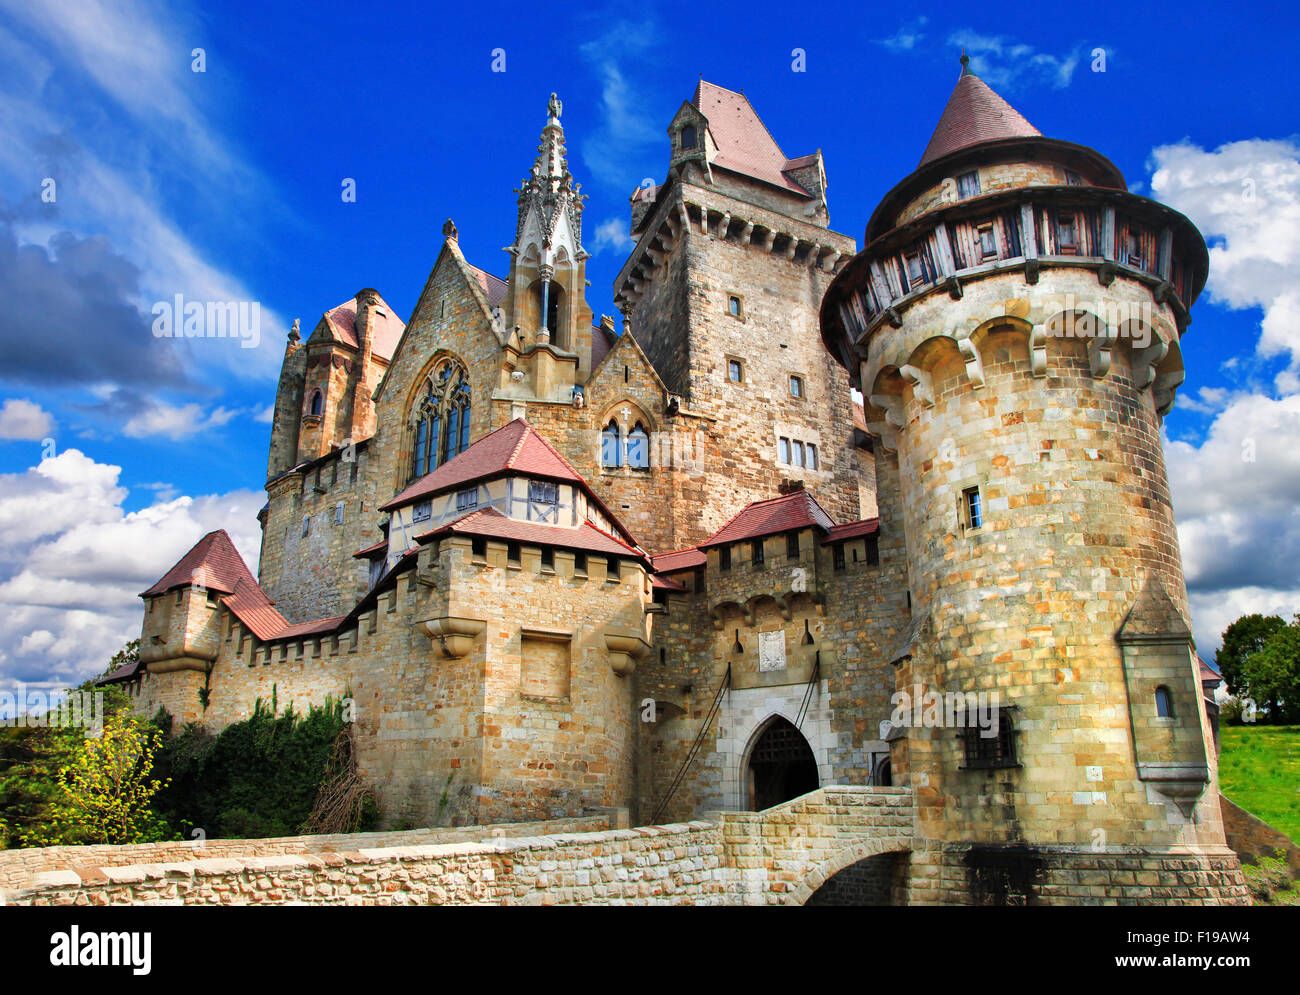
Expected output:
(226, 185)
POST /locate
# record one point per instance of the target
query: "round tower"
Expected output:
(1014, 324)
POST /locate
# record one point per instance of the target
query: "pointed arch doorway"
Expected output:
(781, 765)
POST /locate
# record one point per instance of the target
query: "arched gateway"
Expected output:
(781, 765)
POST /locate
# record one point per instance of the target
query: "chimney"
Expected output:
(369, 306)
(370, 310)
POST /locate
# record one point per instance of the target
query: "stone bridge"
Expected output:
(780, 856)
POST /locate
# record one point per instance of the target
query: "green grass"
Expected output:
(1259, 769)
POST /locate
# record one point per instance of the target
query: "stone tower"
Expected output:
(1014, 322)
(733, 254)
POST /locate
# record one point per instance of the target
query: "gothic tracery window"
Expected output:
(441, 419)
(638, 447)
(611, 445)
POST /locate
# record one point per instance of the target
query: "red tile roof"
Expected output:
(491, 524)
(515, 446)
(852, 530)
(212, 562)
(216, 564)
(665, 584)
(494, 288)
(682, 559)
(974, 114)
(370, 551)
(123, 673)
(763, 518)
(388, 328)
(859, 416)
(1208, 673)
(601, 342)
(744, 143)
(303, 629)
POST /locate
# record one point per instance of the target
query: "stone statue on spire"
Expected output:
(554, 107)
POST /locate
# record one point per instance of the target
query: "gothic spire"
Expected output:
(550, 205)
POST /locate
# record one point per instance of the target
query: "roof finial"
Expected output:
(965, 62)
(554, 108)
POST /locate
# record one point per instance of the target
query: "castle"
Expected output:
(558, 569)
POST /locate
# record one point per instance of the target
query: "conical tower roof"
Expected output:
(974, 115)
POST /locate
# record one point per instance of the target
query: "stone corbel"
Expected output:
(891, 406)
(1038, 350)
(454, 636)
(919, 381)
(1182, 783)
(1099, 353)
(1164, 386)
(974, 364)
(1145, 362)
(625, 649)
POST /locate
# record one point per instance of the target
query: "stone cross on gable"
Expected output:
(626, 412)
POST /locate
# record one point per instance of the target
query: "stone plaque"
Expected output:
(771, 650)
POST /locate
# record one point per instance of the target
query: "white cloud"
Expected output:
(266, 416)
(1005, 63)
(130, 72)
(626, 133)
(1245, 198)
(906, 37)
(176, 422)
(24, 419)
(611, 234)
(73, 561)
(1237, 493)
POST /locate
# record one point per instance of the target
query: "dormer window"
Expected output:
(688, 137)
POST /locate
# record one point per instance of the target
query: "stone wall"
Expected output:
(675, 864)
(1252, 838)
(18, 868)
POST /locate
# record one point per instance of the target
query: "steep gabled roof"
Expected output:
(744, 143)
(388, 327)
(974, 115)
(493, 287)
(515, 447)
(214, 563)
(763, 518)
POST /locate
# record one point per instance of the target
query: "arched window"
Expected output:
(611, 445)
(688, 137)
(441, 419)
(638, 447)
(1164, 703)
(317, 403)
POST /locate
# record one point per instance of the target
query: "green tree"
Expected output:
(108, 788)
(1273, 673)
(1243, 637)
